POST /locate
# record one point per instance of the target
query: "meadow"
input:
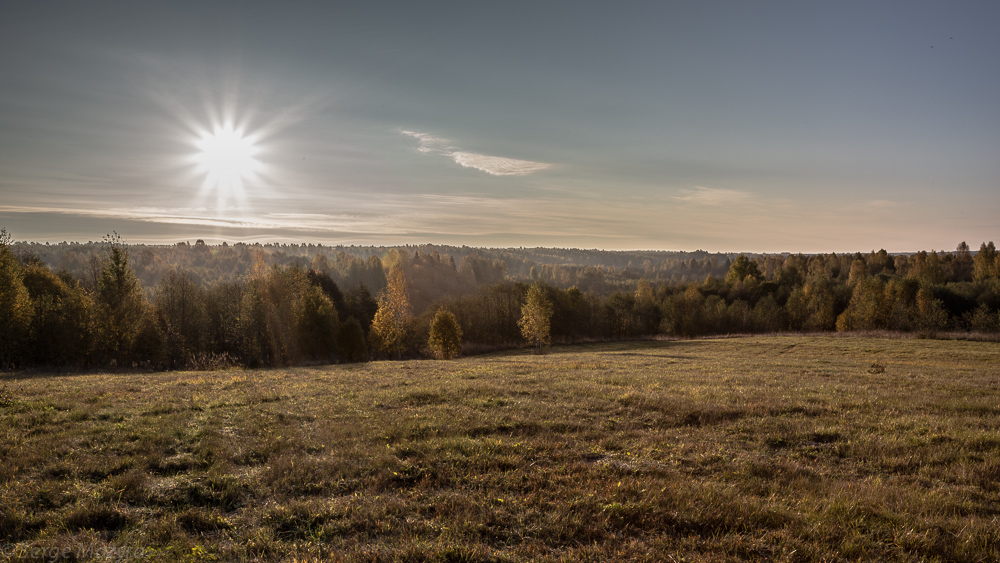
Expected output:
(772, 448)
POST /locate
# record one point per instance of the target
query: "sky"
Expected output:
(764, 126)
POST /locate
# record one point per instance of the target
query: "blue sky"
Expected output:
(724, 126)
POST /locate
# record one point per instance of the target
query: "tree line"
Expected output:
(400, 305)
(595, 270)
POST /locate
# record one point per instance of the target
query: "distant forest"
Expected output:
(197, 306)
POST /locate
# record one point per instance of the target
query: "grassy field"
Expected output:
(773, 448)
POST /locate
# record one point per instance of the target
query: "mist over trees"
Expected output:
(110, 304)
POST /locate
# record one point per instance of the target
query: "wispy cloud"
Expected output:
(498, 165)
(495, 165)
(712, 196)
(429, 143)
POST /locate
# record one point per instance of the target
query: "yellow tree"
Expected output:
(536, 315)
(985, 262)
(390, 325)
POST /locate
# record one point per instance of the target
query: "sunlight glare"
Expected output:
(228, 158)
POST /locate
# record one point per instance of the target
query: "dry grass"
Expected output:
(787, 448)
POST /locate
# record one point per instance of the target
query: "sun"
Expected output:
(228, 158)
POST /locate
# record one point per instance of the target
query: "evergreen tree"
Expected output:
(323, 280)
(121, 304)
(446, 336)
(360, 304)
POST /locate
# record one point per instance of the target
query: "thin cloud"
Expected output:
(712, 196)
(149, 215)
(494, 165)
(498, 165)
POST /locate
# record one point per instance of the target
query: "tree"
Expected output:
(323, 280)
(446, 336)
(684, 314)
(983, 319)
(813, 306)
(868, 308)
(741, 269)
(316, 324)
(739, 317)
(536, 314)
(62, 323)
(790, 275)
(351, 341)
(930, 312)
(374, 274)
(267, 318)
(15, 304)
(121, 303)
(646, 308)
(621, 314)
(767, 315)
(985, 262)
(180, 302)
(223, 306)
(389, 327)
(251, 321)
(859, 271)
(360, 304)
(962, 267)
(490, 316)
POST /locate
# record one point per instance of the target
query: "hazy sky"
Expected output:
(725, 126)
